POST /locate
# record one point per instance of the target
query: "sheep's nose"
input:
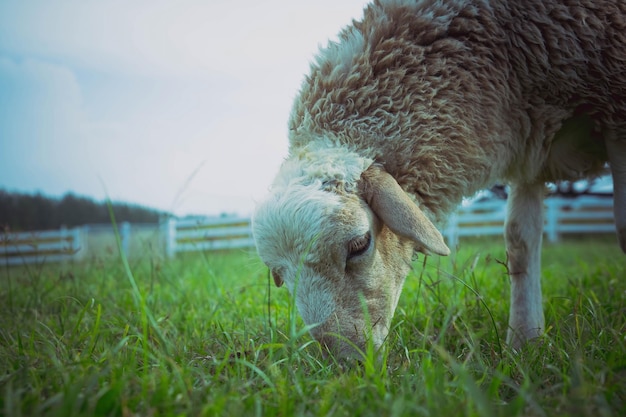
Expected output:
(333, 345)
(325, 340)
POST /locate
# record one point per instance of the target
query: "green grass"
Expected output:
(197, 336)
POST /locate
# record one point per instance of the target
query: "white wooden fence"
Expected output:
(204, 234)
(37, 247)
(585, 214)
(562, 216)
(64, 244)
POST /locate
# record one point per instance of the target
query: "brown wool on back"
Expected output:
(432, 89)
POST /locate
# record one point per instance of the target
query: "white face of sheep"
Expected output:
(344, 256)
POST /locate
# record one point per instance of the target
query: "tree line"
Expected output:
(25, 212)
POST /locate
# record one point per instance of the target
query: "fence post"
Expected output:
(83, 246)
(75, 245)
(169, 232)
(452, 230)
(64, 237)
(125, 237)
(552, 221)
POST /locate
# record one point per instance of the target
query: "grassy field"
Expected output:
(206, 334)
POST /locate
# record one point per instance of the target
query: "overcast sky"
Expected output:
(177, 105)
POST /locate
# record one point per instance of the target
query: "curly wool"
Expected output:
(330, 168)
(452, 96)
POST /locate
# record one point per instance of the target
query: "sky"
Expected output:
(177, 105)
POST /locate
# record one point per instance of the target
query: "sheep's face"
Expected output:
(341, 259)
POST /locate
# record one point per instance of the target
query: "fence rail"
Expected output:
(207, 234)
(38, 247)
(582, 215)
(562, 216)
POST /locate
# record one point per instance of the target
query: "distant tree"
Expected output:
(573, 188)
(499, 191)
(23, 212)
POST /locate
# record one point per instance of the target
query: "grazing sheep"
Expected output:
(417, 105)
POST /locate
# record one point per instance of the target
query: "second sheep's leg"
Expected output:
(523, 235)
(616, 149)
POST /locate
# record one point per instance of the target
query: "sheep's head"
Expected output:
(343, 249)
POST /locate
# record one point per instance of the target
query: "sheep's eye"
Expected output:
(278, 279)
(359, 245)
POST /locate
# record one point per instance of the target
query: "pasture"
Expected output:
(206, 334)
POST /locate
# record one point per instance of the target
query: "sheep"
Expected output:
(417, 105)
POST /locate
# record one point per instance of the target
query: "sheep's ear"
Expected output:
(396, 209)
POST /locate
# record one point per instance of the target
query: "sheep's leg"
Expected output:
(523, 235)
(617, 158)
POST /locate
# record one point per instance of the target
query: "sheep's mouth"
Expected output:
(352, 346)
